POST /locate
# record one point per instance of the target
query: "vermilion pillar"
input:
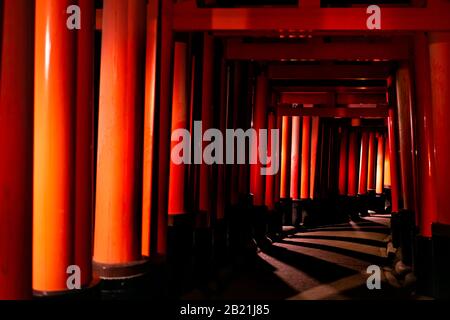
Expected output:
(295, 157)
(54, 151)
(306, 145)
(380, 165)
(406, 142)
(424, 129)
(177, 183)
(285, 158)
(352, 154)
(257, 180)
(395, 186)
(313, 163)
(206, 173)
(16, 143)
(149, 124)
(120, 112)
(440, 91)
(363, 163)
(162, 152)
(84, 170)
(387, 165)
(371, 158)
(343, 166)
(269, 198)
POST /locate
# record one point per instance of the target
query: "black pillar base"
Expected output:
(441, 260)
(423, 265)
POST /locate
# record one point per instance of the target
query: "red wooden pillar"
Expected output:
(177, 183)
(161, 171)
(295, 158)
(16, 143)
(120, 112)
(352, 154)
(371, 162)
(257, 180)
(54, 151)
(395, 187)
(406, 142)
(269, 198)
(313, 163)
(206, 176)
(84, 176)
(440, 91)
(285, 158)
(363, 164)
(306, 146)
(277, 181)
(343, 165)
(387, 165)
(424, 129)
(149, 124)
(380, 165)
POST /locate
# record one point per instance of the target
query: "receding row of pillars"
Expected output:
(47, 136)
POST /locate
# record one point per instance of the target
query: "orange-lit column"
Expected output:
(352, 154)
(54, 151)
(285, 157)
(16, 143)
(395, 187)
(371, 162)
(257, 180)
(295, 157)
(120, 112)
(363, 163)
(177, 183)
(161, 154)
(424, 130)
(306, 145)
(440, 91)
(149, 124)
(269, 198)
(84, 176)
(343, 166)
(380, 165)
(314, 143)
(387, 165)
(206, 173)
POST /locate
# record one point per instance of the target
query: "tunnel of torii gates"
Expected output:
(86, 118)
